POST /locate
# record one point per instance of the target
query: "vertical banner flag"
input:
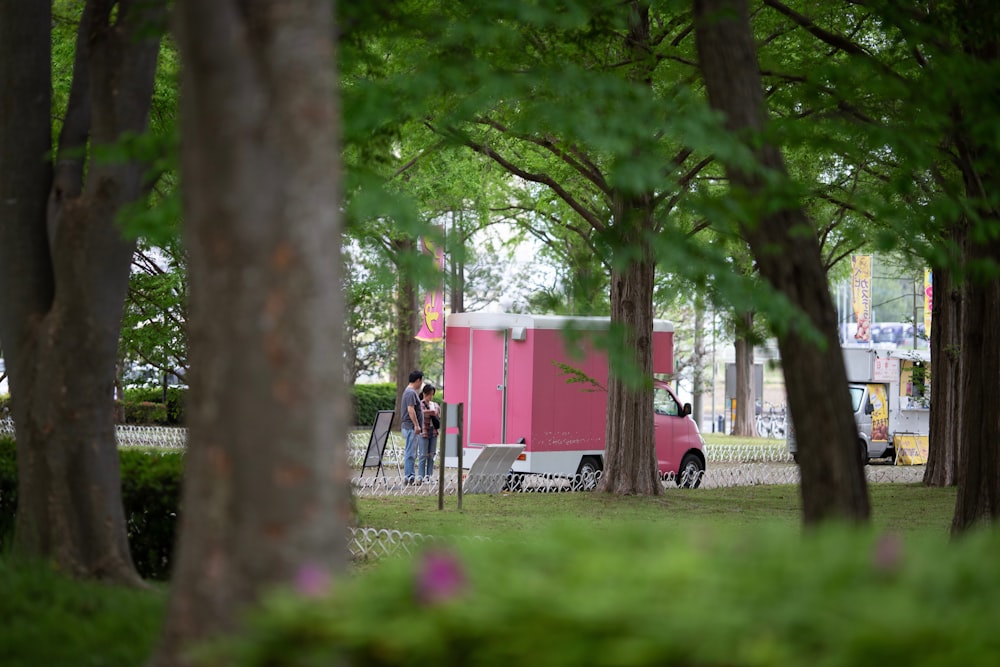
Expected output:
(861, 295)
(928, 301)
(432, 314)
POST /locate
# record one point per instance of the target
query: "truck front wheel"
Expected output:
(689, 476)
(864, 452)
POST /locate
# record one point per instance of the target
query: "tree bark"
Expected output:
(698, 375)
(943, 460)
(266, 493)
(745, 423)
(65, 275)
(407, 324)
(978, 159)
(833, 483)
(979, 458)
(630, 455)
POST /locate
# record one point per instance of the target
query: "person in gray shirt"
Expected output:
(412, 423)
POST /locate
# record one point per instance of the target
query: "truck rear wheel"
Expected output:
(590, 468)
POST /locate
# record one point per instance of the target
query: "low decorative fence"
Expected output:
(728, 465)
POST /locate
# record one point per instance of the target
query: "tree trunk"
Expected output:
(979, 460)
(978, 159)
(65, 275)
(630, 455)
(833, 483)
(946, 381)
(266, 492)
(455, 244)
(407, 325)
(745, 423)
(698, 376)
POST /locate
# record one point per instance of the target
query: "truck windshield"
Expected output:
(857, 394)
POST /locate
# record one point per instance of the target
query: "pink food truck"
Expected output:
(513, 374)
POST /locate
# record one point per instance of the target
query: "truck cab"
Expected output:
(889, 392)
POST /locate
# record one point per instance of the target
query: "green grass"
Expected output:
(52, 620)
(736, 440)
(895, 507)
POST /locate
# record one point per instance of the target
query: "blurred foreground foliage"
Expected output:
(635, 597)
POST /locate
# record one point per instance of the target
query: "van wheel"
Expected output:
(864, 452)
(588, 473)
(692, 469)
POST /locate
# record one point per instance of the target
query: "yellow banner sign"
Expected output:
(861, 295)
(911, 449)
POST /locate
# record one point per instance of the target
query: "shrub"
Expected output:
(633, 597)
(368, 399)
(176, 398)
(53, 620)
(151, 483)
(151, 495)
(144, 413)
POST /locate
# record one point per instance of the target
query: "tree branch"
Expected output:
(574, 158)
(543, 179)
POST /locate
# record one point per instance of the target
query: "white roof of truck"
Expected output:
(508, 320)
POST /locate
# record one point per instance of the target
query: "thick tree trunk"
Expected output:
(407, 325)
(978, 158)
(630, 456)
(979, 470)
(833, 483)
(65, 277)
(266, 492)
(745, 423)
(946, 381)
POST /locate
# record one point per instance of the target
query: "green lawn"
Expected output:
(895, 507)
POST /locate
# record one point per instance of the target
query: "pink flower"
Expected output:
(312, 580)
(888, 553)
(440, 577)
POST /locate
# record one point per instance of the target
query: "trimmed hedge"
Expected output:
(172, 411)
(143, 413)
(151, 494)
(632, 597)
(368, 399)
(144, 406)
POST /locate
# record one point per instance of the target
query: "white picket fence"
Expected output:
(728, 465)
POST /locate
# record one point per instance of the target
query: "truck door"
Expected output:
(666, 413)
(487, 387)
(861, 403)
